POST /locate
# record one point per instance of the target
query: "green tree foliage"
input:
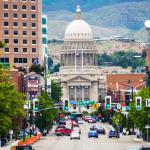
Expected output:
(123, 58)
(55, 68)
(2, 44)
(37, 69)
(119, 119)
(11, 106)
(45, 117)
(56, 93)
(141, 117)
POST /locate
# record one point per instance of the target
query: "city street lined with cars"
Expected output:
(83, 142)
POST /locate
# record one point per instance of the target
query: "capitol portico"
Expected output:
(79, 71)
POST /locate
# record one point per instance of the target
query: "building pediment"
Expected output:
(79, 79)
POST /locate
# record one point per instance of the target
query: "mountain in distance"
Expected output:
(107, 17)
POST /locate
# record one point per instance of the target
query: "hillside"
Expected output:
(124, 18)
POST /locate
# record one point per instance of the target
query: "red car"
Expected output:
(63, 131)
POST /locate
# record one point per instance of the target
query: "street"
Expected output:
(52, 142)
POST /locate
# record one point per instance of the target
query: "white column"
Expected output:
(75, 93)
(75, 60)
(82, 60)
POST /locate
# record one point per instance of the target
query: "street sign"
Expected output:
(118, 106)
(147, 127)
(147, 102)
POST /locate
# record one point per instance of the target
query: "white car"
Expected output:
(77, 129)
(75, 135)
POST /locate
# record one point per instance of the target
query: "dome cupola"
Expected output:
(78, 29)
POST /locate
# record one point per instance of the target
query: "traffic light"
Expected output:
(74, 106)
(138, 103)
(127, 98)
(66, 105)
(108, 102)
(35, 105)
(87, 106)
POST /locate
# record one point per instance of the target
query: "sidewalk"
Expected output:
(9, 145)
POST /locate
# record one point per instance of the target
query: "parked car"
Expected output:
(92, 133)
(114, 133)
(96, 118)
(91, 120)
(63, 131)
(74, 135)
(98, 128)
(79, 120)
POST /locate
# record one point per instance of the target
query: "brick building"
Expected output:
(118, 85)
(21, 29)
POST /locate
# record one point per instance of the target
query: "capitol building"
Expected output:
(79, 74)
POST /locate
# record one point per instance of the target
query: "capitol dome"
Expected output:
(78, 29)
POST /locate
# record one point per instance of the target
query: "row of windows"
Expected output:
(16, 60)
(15, 15)
(16, 41)
(15, 7)
(17, 50)
(16, 24)
(15, 32)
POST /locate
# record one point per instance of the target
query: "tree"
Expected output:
(2, 44)
(37, 69)
(11, 104)
(45, 117)
(56, 93)
(141, 117)
(55, 68)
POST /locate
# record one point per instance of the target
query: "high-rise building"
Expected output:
(21, 29)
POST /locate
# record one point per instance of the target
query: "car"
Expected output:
(60, 126)
(91, 120)
(96, 118)
(61, 122)
(77, 129)
(114, 133)
(99, 129)
(63, 131)
(75, 135)
(23, 147)
(92, 133)
(79, 121)
(86, 118)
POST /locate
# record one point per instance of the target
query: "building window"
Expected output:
(44, 40)
(33, 41)
(4, 60)
(33, 16)
(44, 31)
(16, 24)
(15, 15)
(5, 15)
(15, 32)
(20, 60)
(6, 24)
(33, 33)
(24, 7)
(6, 40)
(6, 32)
(15, 41)
(33, 8)
(34, 50)
(43, 20)
(5, 6)
(15, 50)
(15, 7)
(24, 50)
(24, 41)
(24, 16)
(33, 25)
(24, 24)
(24, 32)
(24, 0)
(6, 49)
